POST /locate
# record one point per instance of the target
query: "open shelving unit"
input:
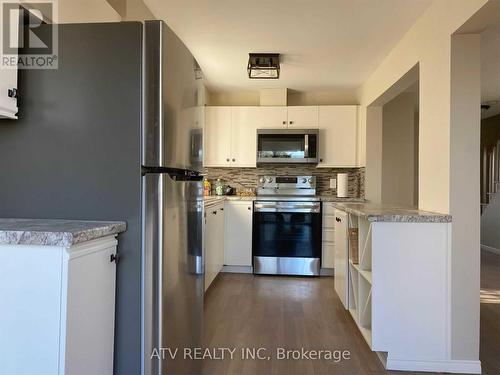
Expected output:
(360, 279)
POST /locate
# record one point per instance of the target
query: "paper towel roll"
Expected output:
(342, 185)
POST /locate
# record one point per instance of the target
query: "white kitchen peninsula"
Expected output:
(398, 291)
(57, 284)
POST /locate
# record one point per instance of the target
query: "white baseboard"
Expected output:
(326, 272)
(450, 366)
(490, 249)
(237, 269)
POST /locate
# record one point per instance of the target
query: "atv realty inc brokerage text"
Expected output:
(263, 354)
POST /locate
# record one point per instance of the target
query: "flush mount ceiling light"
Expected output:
(264, 66)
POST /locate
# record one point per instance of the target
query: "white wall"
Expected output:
(465, 139)
(80, 11)
(294, 98)
(490, 224)
(398, 150)
(136, 10)
(373, 151)
(428, 44)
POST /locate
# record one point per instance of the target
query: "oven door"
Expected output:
(287, 146)
(287, 238)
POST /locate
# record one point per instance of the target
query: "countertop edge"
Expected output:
(404, 216)
(61, 238)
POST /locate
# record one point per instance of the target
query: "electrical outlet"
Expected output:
(333, 183)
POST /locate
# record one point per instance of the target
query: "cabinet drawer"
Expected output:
(328, 235)
(328, 221)
(328, 208)
(328, 250)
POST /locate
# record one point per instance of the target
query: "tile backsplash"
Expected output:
(247, 178)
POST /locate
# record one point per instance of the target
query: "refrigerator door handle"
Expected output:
(152, 275)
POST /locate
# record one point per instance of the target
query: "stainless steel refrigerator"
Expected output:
(115, 133)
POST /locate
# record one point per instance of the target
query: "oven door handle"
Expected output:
(306, 146)
(288, 207)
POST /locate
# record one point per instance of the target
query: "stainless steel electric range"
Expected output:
(287, 226)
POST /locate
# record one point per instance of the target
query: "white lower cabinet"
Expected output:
(213, 242)
(328, 236)
(341, 257)
(238, 233)
(64, 298)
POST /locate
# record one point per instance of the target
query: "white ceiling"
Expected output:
(490, 69)
(326, 44)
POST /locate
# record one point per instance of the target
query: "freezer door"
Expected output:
(172, 273)
(173, 101)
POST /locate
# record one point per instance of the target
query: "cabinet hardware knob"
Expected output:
(291, 122)
(227, 159)
(234, 159)
(249, 208)
(284, 122)
(338, 220)
(12, 93)
(222, 209)
(114, 258)
(321, 160)
(214, 212)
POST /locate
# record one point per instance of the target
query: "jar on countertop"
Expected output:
(219, 187)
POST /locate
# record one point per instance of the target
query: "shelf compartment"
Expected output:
(367, 275)
(365, 244)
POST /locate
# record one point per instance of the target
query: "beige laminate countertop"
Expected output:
(64, 233)
(214, 199)
(375, 212)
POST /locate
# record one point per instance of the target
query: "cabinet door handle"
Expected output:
(321, 160)
(114, 258)
(249, 208)
(227, 159)
(338, 220)
(291, 122)
(12, 93)
(284, 122)
(214, 212)
(222, 209)
(234, 159)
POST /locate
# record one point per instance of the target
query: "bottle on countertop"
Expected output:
(207, 186)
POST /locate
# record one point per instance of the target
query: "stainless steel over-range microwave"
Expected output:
(287, 146)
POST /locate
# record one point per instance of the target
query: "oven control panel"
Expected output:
(289, 185)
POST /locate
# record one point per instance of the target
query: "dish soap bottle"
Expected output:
(207, 186)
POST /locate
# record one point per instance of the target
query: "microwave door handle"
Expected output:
(306, 146)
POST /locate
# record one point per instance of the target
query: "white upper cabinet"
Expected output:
(303, 117)
(271, 117)
(217, 137)
(8, 81)
(8, 104)
(230, 137)
(337, 138)
(244, 136)
(238, 233)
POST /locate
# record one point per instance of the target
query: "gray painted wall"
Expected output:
(74, 153)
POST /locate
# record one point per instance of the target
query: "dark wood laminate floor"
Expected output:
(490, 313)
(289, 312)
